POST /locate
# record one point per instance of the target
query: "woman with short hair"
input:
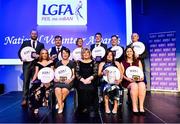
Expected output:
(62, 88)
(86, 74)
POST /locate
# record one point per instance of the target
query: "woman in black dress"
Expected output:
(39, 92)
(62, 88)
(86, 84)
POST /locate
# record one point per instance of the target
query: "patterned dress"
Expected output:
(113, 91)
(39, 94)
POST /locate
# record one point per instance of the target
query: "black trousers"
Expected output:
(28, 71)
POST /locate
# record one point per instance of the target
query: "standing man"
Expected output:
(98, 39)
(28, 67)
(115, 42)
(54, 51)
(135, 38)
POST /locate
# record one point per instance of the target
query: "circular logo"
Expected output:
(77, 54)
(26, 53)
(138, 47)
(63, 73)
(118, 51)
(134, 72)
(98, 51)
(46, 75)
(112, 74)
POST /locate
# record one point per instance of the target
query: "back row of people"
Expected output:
(85, 71)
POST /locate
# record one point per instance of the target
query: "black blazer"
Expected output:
(103, 45)
(38, 48)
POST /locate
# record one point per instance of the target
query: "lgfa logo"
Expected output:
(62, 12)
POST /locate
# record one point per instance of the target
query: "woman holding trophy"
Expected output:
(111, 72)
(134, 79)
(64, 76)
(39, 91)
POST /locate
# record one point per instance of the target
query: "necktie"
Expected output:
(33, 44)
(58, 50)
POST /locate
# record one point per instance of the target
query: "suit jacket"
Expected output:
(38, 48)
(103, 45)
(54, 51)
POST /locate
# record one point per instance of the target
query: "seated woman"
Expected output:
(39, 92)
(137, 88)
(111, 92)
(86, 85)
(62, 88)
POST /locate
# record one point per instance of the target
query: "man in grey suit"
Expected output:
(28, 67)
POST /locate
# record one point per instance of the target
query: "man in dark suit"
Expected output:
(54, 51)
(135, 38)
(98, 39)
(28, 67)
(115, 42)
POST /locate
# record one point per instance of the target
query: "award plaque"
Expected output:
(46, 75)
(135, 73)
(26, 53)
(98, 51)
(138, 47)
(112, 74)
(118, 51)
(63, 73)
(77, 54)
(62, 78)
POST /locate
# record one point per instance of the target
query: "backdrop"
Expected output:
(69, 18)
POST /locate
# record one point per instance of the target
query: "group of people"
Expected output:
(86, 76)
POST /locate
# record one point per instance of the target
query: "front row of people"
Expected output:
(84, 78)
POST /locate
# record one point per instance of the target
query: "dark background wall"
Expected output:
(151, 16)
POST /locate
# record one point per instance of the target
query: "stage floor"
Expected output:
(160, 108)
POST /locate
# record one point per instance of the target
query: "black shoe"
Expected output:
(142, 113)
(136, 113)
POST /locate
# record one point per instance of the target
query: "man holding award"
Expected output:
(29, 53)
(140, 52)
(116, 48)
(98, 49)
(54, 51)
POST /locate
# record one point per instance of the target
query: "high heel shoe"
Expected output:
(57, 106)
(107, 111)
(114, 112)
(143, 113)
(60, 111)
(136, 113)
